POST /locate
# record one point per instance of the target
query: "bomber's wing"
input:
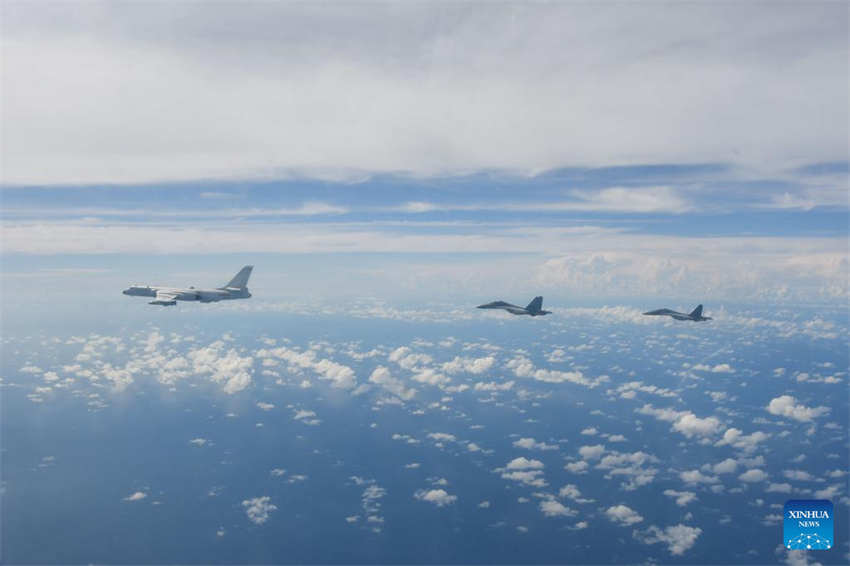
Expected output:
(165, 299)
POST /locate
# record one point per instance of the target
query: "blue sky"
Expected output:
(692, 233)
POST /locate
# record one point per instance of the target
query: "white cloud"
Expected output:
(678, 538)
(442, 437)
(719, 368)
(554, 508)
(464, 89)
(736, 438)
(799, 475)
(523, 367)
(635, 467)
(591, 452)
(727, 466)
(695, 476)
(787, 406)
(227, 368)
(623, 515)
(571, 491)
(438, 497)
(684, 422)
(531, 444)
(474, 366)
(690, 425)
(258, 509)
(525, 471)
(381, 376)
(753, 476)
(136, 496)
(523, 463)
(579, 467)
(494, 385)
(682, 497)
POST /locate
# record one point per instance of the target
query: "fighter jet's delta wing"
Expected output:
(695, 315)
(237, 288)
(534, 308)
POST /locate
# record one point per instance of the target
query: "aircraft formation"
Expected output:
(237, 288)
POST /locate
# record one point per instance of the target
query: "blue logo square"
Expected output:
(807, 524)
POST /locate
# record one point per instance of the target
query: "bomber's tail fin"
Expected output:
(535, 305)
(240, 280)
(697, 312)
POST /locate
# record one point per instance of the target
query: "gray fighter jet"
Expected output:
(534, 308)
(695, 315)
(237, 288)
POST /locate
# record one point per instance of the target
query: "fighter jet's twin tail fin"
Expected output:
(240, 280)
(535, 305)
(697, 312)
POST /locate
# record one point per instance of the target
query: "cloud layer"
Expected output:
(97, 92)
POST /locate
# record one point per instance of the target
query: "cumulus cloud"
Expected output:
(678, 538)
(258, 509)
(682, 497)
(469, 365)
(523, 463)
(525, 471)
(554, 508)
(635, 467)
(340, 376)
(684, 422)
(523, 367)
(695, 477)
(226, 367)
(531, 444)
(623, 515)
(746, 443)
(382, 376)
(136, 496)
(788, 407)
(753, 476)
(438, 497)
(591, 452)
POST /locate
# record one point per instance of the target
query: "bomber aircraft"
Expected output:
(534, 308)
(695, 315)
(237, 288)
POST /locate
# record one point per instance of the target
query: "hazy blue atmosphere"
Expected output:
(385, 168)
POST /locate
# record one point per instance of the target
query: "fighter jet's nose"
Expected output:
(125, 292)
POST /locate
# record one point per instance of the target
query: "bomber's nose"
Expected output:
(126, 291)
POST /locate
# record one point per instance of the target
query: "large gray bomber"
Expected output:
(534, 308)
(237, 288)
(695, 315)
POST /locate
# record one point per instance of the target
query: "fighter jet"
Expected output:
(695, 315)
(534, 308)
(237, 288)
